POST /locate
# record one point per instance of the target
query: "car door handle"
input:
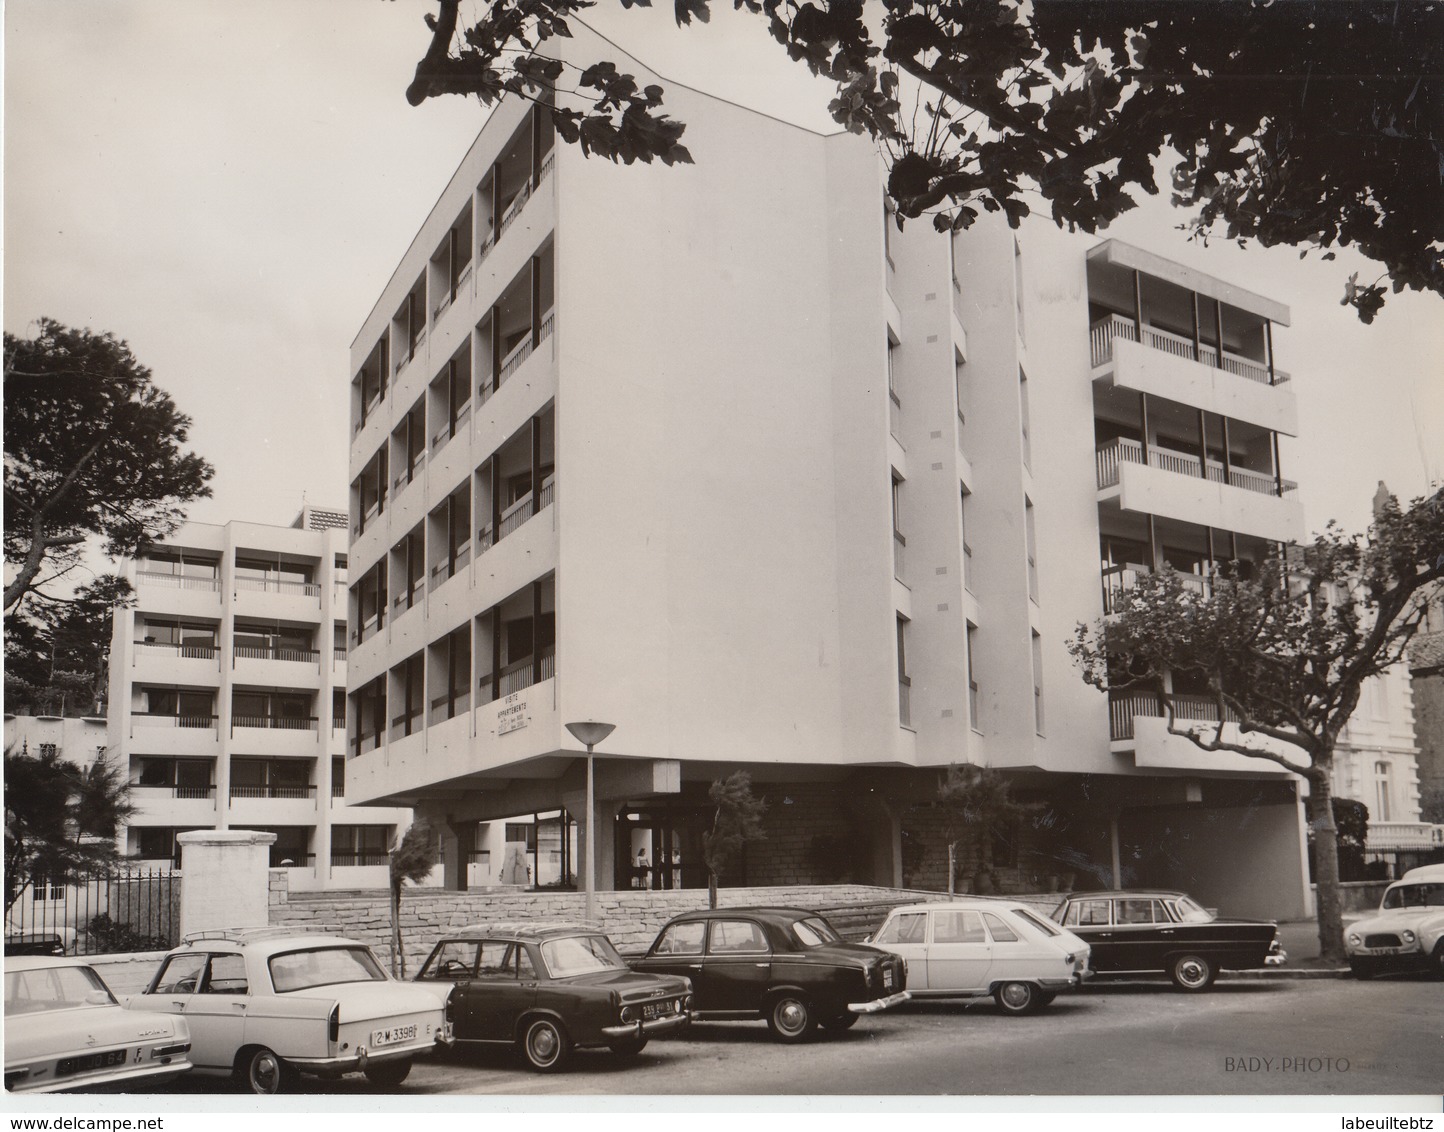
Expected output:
(762, 965)
(694, 966)
(238, 1006)
(178, 1004)
(1167, 931)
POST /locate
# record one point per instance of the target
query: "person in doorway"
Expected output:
(643, 870)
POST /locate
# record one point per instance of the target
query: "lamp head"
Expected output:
(589, 734)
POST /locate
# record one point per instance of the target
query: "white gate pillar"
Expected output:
(225, 879)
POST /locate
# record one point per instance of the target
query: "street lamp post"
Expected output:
(589, 734)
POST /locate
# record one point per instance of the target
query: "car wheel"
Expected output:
(844, 1021)
(1045, 997)
(630, 1047)
(388, 1074)
(1192, 973)
(1436, 964)
(262, 1072)
(790, 1018)
(1358, 970)
(545, 1045)
(1017, 998)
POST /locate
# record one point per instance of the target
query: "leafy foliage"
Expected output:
(738, 820)
(1311, 124)
(412, 859)
(976, 810)
(57, 655)
(105, 936)
(1281, 655)
(61, 821)
(92, 448)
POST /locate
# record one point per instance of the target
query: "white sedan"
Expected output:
(976, 948)
(65, 1030)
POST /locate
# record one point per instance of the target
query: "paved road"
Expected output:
(1339, 1037)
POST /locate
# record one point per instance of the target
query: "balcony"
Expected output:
(173, 805)
(198, 722)
(516, 676)
(185, 593)
(1136, 724)
(408, 723)
(178, 581)
(450, 568)
(514, 209)
(343, 859)
(1170, 485)
(1124, 707)
(275, 735)
(287, 792)
(446, 707)
(516, 515)
(163, 663)
(273, 804)
(1101, 336)
(274, 722)
(1118, 580)
(277, 652)
(174, 734)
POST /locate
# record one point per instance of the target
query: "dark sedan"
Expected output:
(785, 965)
(548, 988)
(1168, 932)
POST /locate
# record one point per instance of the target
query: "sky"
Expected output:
(228, 186)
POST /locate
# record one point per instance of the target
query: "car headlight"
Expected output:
(1354, 939)
(1407, 935)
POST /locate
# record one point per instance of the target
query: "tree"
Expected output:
(57, 652)
(412, 860)
(61, 820)
(1311, 124)
(738, 820)
(976, 809)
(92, 448)
(1280, 656)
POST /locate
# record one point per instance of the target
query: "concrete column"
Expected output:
(225, 879)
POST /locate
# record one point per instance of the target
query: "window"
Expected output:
(1000, 931)
(180, 975)
(958, 927)
(907, 927)
(1044, 926)
(682, 939)
(1383, 793)
(960, 387)
(732, 936)
(1024, 416)
(1138, 911)
(1087, 913)
(1037, 682)
(904, 682)
(899, 543)
(887, 223)
(227, 975)
(455, 959)
(967, 547)
(973, 719)
(1031, 534)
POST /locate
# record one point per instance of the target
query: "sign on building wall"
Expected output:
(512, 714)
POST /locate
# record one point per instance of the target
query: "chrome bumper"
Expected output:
(878, 1004)
(1276, 958)
(646, 1029)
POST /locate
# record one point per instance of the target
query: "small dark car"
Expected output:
(786, 965)
(36, 943)
(549, 988)
(1165, 931)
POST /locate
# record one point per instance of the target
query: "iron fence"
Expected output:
(127, 909)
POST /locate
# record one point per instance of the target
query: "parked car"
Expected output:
(58, 941)
(65, 1030)
(786, 965)
(1407, 933)
(975, 948)
(267, 1004)
(550, 988)
(1156, 930)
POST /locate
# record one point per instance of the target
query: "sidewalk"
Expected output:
(1300, 938)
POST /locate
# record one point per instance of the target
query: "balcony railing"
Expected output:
(1125, 451)
(517, 675)
(338, 789)
(290, 792)
(343, 859)
(452, 426)
(445, 707)
(1104, 331)
(411, 596)
(409, 472)
(185, 652)
(894, 416)
(905, 701)
(275, 722)
(515, 516)
(177, 581)
(278, 586)
(149, 719)
(408, 723)
(367, 629)
(339, 654)
(513, 210)
(1118, 580)
(448, 568)
(187, 792)
(899, 546)
(512, 362)
(1123, 707)
(276, 652)
(338, 723)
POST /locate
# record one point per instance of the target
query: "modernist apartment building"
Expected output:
(228, 698)
(719, 455)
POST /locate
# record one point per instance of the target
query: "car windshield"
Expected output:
(322, 966)
(54, 988)
(1190, 913)
(1415, 896)
(580, 955)
(814, 932)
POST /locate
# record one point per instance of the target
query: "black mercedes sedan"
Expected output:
(1165, 931)
(785, 965)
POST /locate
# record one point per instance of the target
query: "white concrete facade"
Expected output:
(770, 484)
(227, 698)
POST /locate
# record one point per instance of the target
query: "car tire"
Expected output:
(1436, 963)
(790, 1018)
(844, 1021)
(1357, 970)
(261, 1071)
(629, 1047)
(388, 1074)
(545, 1045)
(1046, 997)
(1192, 973)
(1017, 998)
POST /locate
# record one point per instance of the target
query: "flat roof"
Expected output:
(1119, 254)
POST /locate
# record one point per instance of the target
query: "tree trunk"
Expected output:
(1326, 865)
(952, 867)
(398, 961)
(711, 888)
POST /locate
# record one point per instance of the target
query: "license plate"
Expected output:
(656, 1009)
(1386, 951)
(392, 1035)
(69, 1065)
(887, 978)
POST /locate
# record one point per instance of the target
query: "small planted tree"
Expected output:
(1279, 657)
(737, 821)
(412, 860)
(976, 809)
